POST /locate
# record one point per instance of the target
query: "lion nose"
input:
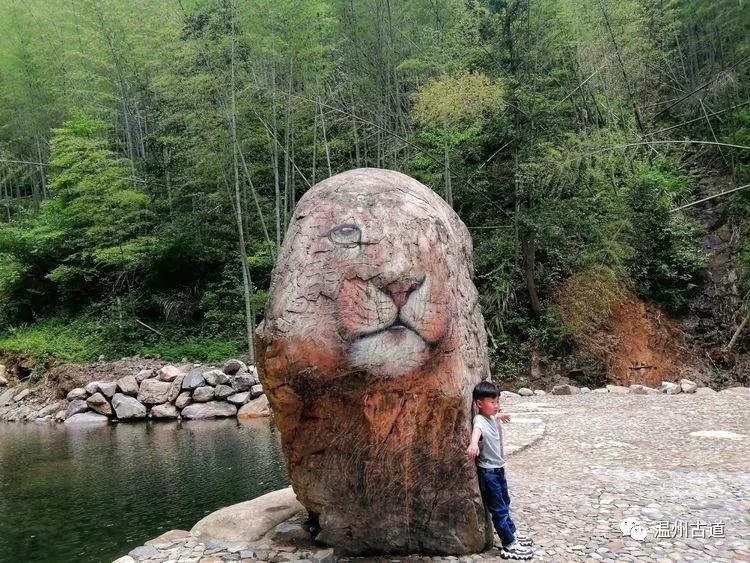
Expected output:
(400, 290)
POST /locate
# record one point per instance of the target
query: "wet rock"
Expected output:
(128, 385)
(232, 367)
(86, 418)
(127, 407)
(145, 374)
(98, 403)
(255, 409)
(153, 392)
(239, 398)
(223, 391)
(76, 407)
(215, 377)
(213, 409)
(194, 379)
(165, 410)
(203, 394)
(168, 373)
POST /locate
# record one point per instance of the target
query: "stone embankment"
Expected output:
(188, 392)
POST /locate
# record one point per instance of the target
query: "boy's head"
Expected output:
(486, 398)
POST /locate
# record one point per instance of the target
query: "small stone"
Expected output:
(232, 367)
(223, 391)
(203, 394)
(145, 374)
(565, 390)
(215, 377)
(168, 373)
(688, 386)
(78, 393)
(128, 385)
(108, 388)
(92, 387)
(525, 392)
(670, 388)
(256, 391)
(539, 392)
(183, 400)
(585, 390)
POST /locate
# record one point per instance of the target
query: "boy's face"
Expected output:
(488, 406)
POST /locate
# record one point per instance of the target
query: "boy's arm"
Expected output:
(473, 449)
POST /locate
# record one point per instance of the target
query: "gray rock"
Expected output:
(98, 403)
(153, 392)
(203, 394)
(164, 411)
(256, 391)
(670, 388)
(145, 552)
(232, 367)
(22, 395)
(92, 387)
(290, 531)
(539, 392)
(617, 389)
(127, 407)
(585, 390)
(128, 385)
(108, 388)
(169, 373)
(239, 398)
(183, 400)
(243, 382)
(223, 391)
(174, 390)
(145, 374)
(48, 410)
(637, 390)
(7, 396)
(77, 393)
(86, 418)
(215, 377)
(75, 407)
(688, 386)
(525, 392)
(193, 379)
(213, 409)
(565, 390)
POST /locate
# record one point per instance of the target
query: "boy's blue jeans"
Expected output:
(494, 489)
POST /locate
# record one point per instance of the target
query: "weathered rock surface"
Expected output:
(213, 409)
(232, 367)
(98, 403)
(243, 382)
(165, 410)
(128, 385)
(145, 374)
(86, 418)
(183, 399)
(215, 377)
(255, 409)
(153, 392)
(223, 391)
(688, 386)
(193, 379)
(127, 407)
(7, 396)
(248, 521)
(371, 343)
(525, 392)
(76, 394)
(670, 388)
(203, 394)
(175, 388)
(565, 390)
(256, 391)
(75, 407)
(239, 398)
(169, 373)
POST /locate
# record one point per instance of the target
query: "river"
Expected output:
(90, 494)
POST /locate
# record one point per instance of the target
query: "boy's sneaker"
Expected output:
(524, 540)
(516, 551)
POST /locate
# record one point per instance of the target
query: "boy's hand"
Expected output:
(504, 416)
(473, 451)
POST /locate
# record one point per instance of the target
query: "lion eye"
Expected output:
(348, 236)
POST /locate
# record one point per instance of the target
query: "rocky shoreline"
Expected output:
(188, 391)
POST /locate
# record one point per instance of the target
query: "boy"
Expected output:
(487, 448)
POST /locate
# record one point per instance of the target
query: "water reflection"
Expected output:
(91, 493)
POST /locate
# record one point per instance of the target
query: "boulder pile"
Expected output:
(187, 392)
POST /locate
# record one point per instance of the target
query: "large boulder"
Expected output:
(128, 385)
(154, 392)
(98, 403)
(371, 344)
(86, 418)
(194, 379)
(127, 407)
(213, 409)
(255, 409)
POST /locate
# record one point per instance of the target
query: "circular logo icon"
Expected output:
(627, 525)
(638, 532)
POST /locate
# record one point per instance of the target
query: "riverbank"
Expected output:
(579, 466)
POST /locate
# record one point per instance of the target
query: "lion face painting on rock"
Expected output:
(371, 344)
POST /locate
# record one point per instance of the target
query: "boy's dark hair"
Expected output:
(485, 389)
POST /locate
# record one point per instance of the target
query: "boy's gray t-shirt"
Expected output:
(490, 444)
